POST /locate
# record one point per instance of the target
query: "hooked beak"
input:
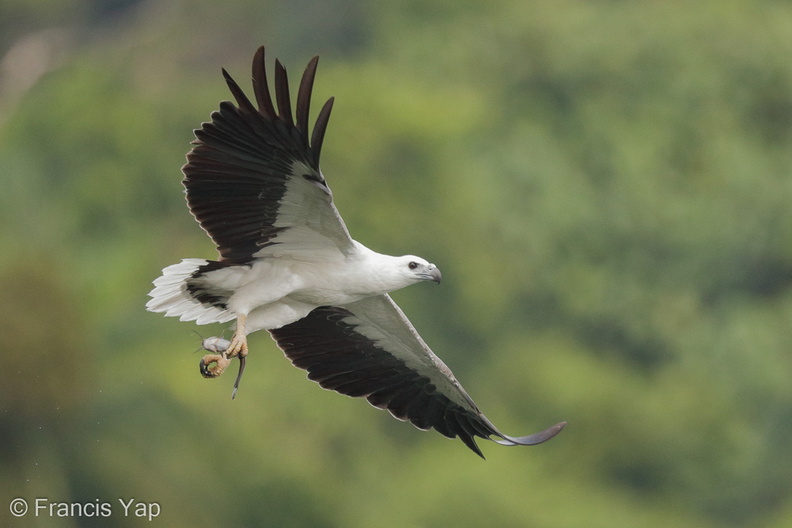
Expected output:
(434, 274)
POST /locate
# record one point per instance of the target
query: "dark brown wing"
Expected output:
(247, 159)
(369, 349)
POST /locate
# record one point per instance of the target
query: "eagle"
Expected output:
(287, 264)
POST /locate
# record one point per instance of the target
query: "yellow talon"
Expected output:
(220, 361)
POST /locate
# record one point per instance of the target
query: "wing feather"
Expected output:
(317, 137)
(245, 175)
(282, 94)
(369, 349)
(304, 96)
(261, 85)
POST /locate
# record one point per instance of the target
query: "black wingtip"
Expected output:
(261, 85)
(282, 98)
(317, 137)
(304, 97)
(279, 107)
(242, 101)
(470, 441)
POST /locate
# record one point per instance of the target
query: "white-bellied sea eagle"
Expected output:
(287, 264)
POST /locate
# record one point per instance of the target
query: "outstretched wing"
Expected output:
(369, 349)
(253, 177)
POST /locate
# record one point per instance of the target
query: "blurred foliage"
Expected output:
(606, 186)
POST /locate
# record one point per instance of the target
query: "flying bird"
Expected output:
(287, 264)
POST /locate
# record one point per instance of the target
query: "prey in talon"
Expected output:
(219, 356)
(218, 347)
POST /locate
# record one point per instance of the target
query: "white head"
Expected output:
(421, 270)
(398, 272)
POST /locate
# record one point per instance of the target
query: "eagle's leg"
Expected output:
(238, 346)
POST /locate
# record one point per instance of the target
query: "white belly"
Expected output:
(277, 292)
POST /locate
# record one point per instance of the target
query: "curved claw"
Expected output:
(220, 361)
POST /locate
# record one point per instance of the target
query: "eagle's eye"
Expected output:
(412, 265)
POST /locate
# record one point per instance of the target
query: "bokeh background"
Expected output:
(605, 185)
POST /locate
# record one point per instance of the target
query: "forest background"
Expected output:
(605, 185)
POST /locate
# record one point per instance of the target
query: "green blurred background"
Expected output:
(605, 185)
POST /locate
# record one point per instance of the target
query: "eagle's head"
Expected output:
(416, 269)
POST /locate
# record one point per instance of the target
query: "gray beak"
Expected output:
(434, 274)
